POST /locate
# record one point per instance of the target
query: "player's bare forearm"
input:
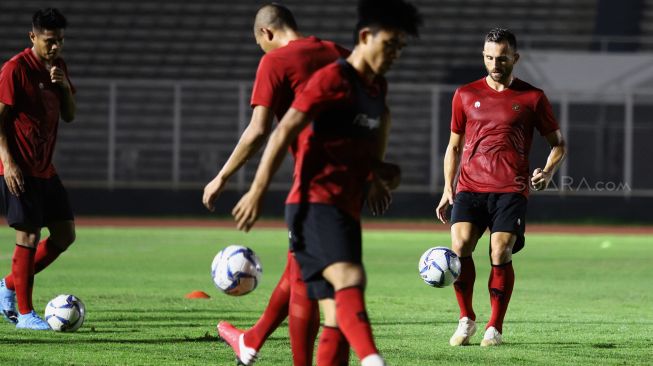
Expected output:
(384, 131)
(5, 155)
(247, 210)
(289, 127)
(12, 173)
(541, 177)
(68, 105)
(558, 152)
(451, 162)
(452, 159)
(250, 142)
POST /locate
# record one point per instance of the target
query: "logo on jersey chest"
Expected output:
(363, 120)
(516, 107)
(477, 104)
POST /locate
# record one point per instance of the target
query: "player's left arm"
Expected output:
(542, 177)
(68, 107)
(247, 210)
(389, 173)
(386, 176)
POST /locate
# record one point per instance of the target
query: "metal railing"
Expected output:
(171, 134)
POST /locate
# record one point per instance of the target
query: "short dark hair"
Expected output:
(48, 18)
(276, 16)
(498, 35)
(392, 14)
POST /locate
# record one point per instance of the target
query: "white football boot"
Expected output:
(491, 338)
(235, 339)
(465, 331)
(373, 360)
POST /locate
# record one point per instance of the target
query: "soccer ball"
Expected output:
(65, 313)
(439, 266)
(236, 270)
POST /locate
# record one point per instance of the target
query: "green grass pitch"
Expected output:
(578, 300)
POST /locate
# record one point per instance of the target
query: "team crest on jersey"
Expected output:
(364, 121)
(41, 86)
(477, 104)
(515, 107)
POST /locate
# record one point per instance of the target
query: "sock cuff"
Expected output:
(350, 288)
(502, 264)
(25, 247)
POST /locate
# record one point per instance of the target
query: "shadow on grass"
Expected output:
(455, 322)
(82, 338)
(78, 340)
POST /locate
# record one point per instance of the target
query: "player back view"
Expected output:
(283, 71)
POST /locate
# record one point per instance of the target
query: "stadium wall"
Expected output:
(543, 208)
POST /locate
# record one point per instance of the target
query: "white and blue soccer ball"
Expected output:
(439, 266)
(65, 313)
(236, 270)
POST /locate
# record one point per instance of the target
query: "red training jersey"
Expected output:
(33, 120)
(336, 153)
(283, 72)
(498, 129)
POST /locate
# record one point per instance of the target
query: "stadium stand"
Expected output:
(208, 39)
(165, 83)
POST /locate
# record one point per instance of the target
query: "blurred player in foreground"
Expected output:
(337, 154)
(35, 92)
(492, 126)
(289, 60)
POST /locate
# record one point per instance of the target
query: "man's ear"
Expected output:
(364, 35)
(267, 33)
(516, 58)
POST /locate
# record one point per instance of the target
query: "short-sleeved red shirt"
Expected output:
(283, 73)
(498, 129)
(335, 154)
(34, 103)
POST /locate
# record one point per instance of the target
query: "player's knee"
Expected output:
(462, 246)
(342, 275)
(65, 240)
(501, 254)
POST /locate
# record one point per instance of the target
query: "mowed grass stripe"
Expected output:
(577, 300)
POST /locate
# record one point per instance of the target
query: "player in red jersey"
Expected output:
(289, 60)
(492, 126)
(35, 92)
(336, 155)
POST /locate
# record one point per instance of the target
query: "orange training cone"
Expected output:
(197, 295)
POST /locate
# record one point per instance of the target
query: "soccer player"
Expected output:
(345, 105)
(492, 126)
(289, 60)
(35, 92)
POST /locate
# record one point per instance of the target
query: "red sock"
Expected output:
(464, 287)
(303, 317)
(333, 349)
(353, 322)
(274, 314)
(46, 253)
(500, 284)
(22, 267)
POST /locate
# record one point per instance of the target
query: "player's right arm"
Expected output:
(250, 142)
(12, 173)
(247, 210)
(452, 155)
(451, 162)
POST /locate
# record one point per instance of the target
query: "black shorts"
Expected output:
(500, 212)
(321, 235)
(44, 201)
